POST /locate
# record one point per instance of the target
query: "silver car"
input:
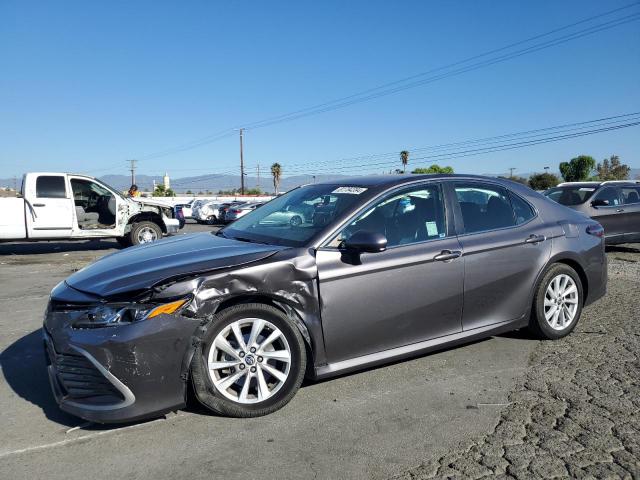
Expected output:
(239, 211)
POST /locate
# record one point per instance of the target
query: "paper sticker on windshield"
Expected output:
(432, 229)
(350, 190)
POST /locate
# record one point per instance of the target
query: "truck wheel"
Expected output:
(144, 232)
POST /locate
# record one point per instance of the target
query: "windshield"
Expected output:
(570, 195)
(295, 217)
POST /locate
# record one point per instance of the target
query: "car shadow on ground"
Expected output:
(44, 247)
(623, 248)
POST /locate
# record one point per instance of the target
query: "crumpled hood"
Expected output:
(153, 203)
(141, 267)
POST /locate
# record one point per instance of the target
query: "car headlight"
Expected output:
(110, 314)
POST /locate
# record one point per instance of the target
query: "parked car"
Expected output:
(614, 204)
(405, 265)
(187, 208)
(294, 215)
(238, 211)
(207, 213)
(68, 206)
(224, 207)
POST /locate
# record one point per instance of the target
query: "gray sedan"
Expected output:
(398, 266)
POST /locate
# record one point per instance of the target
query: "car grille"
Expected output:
(80, 381)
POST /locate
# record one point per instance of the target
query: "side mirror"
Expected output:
(600, 203)
(366, 242)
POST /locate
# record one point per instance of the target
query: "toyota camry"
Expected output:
(390, 267)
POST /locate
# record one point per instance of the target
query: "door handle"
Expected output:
(39, 205)
(535, 239)
(620, 210)
(445, 255)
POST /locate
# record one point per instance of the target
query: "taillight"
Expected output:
(596, 230)
(236, 211)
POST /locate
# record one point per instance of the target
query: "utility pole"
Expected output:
(258, 172)
(133, 171)
(511, 172)
(241, 166)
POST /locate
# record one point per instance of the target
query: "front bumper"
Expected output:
(118, 374)
(172, 224)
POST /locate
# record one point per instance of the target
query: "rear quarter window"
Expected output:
(523, 211)
(50, 187)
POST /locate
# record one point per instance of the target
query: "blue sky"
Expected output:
(86, 85)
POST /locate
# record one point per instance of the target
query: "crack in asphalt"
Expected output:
(576, 414)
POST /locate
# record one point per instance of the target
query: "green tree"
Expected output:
(543, 181)
(435, 168)
(160, 191)
(578, 169)
(612, 169)
(404, 158)
(276, 172)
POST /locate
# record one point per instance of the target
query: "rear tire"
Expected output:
(557, 304)
(212, 220)
(255, 377)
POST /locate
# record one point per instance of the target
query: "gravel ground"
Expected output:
(576, 413)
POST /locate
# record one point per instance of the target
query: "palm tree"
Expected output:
(404, 158)
(276, 171)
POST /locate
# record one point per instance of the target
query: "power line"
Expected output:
(400, 85)
(490, 149)
(527, 134)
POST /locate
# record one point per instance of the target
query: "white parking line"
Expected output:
(84, 437)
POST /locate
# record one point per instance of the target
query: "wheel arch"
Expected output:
(566, 258)
(149, 217)
(232, 301)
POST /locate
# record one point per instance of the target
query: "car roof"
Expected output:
(383, 181)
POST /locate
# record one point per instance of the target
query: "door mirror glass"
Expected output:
(600, 202)
(366, 242)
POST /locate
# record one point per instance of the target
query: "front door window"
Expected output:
(95, 205)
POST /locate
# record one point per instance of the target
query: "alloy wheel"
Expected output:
(249, 360)
(560, 302)
(147, 235)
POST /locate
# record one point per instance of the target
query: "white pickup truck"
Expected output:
(65, 206)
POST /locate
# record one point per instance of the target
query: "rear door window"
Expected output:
(630, 195)
(484, 207)
(50, 187)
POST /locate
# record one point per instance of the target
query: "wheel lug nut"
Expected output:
(260, 359)
(252, 349)
(253, 369)
(242, 366)
(241, 354)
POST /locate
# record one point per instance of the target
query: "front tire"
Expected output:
(144, 232)
(557, 304)
(250, 362)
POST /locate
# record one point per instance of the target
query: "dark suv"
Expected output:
(615, 204)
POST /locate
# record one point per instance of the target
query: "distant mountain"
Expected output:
(214, 183)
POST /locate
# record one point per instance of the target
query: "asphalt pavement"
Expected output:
(373, 424)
